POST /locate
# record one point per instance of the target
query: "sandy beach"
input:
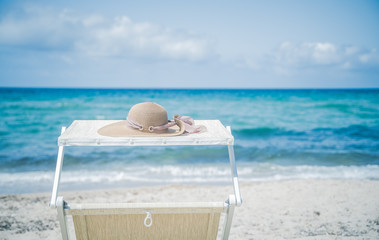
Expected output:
(298, 209)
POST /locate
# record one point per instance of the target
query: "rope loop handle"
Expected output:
(148, 217)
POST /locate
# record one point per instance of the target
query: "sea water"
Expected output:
(279, 135)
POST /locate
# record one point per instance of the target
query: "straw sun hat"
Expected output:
(150, 120)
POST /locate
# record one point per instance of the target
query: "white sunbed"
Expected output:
(181, 220)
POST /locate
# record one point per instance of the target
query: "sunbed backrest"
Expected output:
(114, 222)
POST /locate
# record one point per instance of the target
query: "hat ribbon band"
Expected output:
(134, 124)
(188, 123)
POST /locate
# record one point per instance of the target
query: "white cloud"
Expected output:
(313, 56)
(94, 35)
(307, 54)
(325, 54)
(36, 28)
(370, 57)
(126, 37)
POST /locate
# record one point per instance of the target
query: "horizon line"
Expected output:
(193, 88)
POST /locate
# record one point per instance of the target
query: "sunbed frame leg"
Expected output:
(57, 176)
(61, 217)
(233, 167)
(229, 216)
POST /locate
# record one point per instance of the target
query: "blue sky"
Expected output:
(192, 44)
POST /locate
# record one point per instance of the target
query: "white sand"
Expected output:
(299, 209)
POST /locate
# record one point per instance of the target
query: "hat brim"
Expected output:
(120, 129)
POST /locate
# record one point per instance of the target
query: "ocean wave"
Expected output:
(25, 182)
(264, 132)
(276, 151)
(353, 131)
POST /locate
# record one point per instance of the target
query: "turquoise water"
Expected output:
(279, 134)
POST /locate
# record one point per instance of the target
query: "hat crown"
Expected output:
(148, 114)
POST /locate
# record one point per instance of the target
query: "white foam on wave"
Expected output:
(268, 172)
(133, 176)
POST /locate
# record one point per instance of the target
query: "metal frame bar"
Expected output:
(229, 216)
(60, 204)
(237, 193)
(58, 171)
